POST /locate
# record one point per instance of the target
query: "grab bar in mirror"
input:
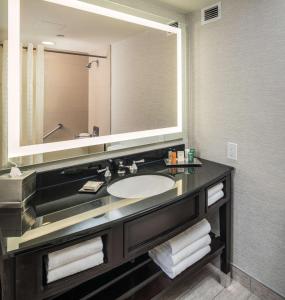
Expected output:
(59, 126)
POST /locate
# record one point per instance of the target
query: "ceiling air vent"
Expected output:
(211, 13)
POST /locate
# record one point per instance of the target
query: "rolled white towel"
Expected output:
(187, 237)
(173, 271)
(214, 198)
(213, 190)
(163, 255)
(73, 253)
(75, 267)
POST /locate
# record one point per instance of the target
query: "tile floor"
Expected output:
(206, 286)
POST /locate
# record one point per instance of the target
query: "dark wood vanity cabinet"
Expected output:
(145, 232)
(126, 244)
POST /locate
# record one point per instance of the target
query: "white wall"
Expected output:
(238, 90)
(144, 82)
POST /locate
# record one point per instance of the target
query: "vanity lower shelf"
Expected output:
(139, 279)
(162, 282)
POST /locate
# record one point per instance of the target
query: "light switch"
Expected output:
(232, 151)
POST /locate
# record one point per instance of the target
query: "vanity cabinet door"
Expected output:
(154, 228)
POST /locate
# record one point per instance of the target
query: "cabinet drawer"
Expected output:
(141, 233)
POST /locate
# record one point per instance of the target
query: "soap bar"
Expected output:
(91, 186)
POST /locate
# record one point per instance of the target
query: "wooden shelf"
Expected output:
(164, 283)
(103, 282)
(141, 279)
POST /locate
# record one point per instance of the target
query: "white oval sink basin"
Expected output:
(141, 186)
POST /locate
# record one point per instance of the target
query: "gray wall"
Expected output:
(238, 95)
(144, 82)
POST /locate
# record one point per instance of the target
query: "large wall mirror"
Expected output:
(85, 76)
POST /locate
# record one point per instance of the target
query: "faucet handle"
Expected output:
(99, 171)
(134, 167)
(106, 170)
(108, 173)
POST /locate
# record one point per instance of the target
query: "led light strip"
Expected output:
(81, 5)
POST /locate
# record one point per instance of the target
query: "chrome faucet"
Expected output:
(121, 168)
(132, 168)
(107, 171)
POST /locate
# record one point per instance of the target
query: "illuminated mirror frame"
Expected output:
(14, 99)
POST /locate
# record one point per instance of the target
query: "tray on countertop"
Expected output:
(185, 163)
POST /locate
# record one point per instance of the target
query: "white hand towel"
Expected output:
(173, 271)
(213, 190)
(75, 267)
(214, 198)
(162, 255)
(73, 253)
(187, 237)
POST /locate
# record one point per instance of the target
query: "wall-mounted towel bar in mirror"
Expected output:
(49, 133)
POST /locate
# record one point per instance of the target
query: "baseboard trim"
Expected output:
(256, 287)
(253, 285)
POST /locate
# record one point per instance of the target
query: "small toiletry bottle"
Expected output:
(191, 155)
(180, 156)
(173, 157)
(186, 154)
(169, 155)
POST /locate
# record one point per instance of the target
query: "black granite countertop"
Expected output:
(59, 213)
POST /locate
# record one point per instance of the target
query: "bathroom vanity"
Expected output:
(57, 216)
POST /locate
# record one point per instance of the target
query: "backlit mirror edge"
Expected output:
(14, 148)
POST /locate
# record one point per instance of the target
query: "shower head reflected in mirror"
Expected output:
(89, 66)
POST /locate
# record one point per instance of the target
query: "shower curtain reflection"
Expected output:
(4, 104)
(32, 94)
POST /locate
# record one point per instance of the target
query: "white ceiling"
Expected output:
(185, 6)
(83, 31)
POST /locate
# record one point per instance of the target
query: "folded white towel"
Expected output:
(187, 237)
(184, 264)
(73, 253)
(214, 198)
(213, 190)
(75, 267)
(163, 255)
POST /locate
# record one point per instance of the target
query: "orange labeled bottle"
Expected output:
(173, 157)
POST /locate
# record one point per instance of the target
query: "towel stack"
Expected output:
(182, 251)
(215, 193)
(74, 259)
